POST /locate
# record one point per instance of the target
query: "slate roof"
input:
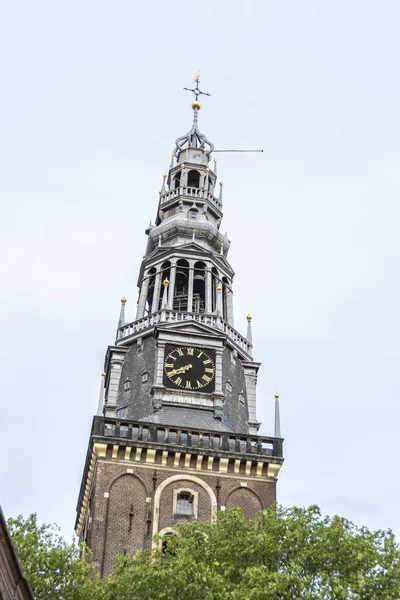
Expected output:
(197, 418)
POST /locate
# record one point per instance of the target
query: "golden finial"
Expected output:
(123, 300)
(159, 192)
(205, 149)
(249, 318)
(221, 183)
(196, 105)
(208, 170)
(172, 153)
(166, 282)
(276, 396)
(164, 176)
(182, 165)
(222, 243)
(103, 374)
(187, 146)
(219, 288)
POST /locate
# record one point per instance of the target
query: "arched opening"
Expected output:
(150, 293)
(193, 179)
(181, 285)
(210, 185)
(214, 282)
(199, 287)
(165, 274)
(177, 180)
(167, 545)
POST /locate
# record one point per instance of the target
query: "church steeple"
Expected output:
(177, 415)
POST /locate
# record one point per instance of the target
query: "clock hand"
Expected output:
(181, 370)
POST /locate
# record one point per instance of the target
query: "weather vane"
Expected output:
(196, 91)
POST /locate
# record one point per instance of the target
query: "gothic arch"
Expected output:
(246, 491)
(172, 479)
(122, 475)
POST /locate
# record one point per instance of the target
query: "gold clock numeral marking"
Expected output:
(169, 365)
(170, 373)
(190, 351)
(172, 357)
(207, 362)
(199, 384)
(206, 378)
(209, 370)
(178, 380)
(188, 385)
(180, 351)
(201, 353)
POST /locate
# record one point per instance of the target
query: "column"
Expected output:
(171, 290)
(229, 305)
(190, 290)
(156, 297)
(208, 291)
(143, 297)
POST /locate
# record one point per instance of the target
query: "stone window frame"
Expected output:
(127, 385)
(195, 502)
(228, 387)
(119, 410)
(145, 377)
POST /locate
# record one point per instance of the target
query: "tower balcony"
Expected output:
(174, 316)
(191, 193)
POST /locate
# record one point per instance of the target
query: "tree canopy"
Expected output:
(282, 554)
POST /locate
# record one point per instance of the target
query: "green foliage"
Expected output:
(285, 554)
(53, 567)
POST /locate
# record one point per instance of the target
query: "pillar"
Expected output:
(171, 291)
(190, 290)
(143, 297)
(156, 297)
(229, 305)
(208, 291)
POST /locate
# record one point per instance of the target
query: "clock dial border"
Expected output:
(195, 365)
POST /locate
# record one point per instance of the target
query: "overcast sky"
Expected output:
(90, 107)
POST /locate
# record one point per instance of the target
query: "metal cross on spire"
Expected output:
(196, 91)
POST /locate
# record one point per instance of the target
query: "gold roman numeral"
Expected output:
(190, 351)
(201, 353)
(207, 362)
(178, 380)
(179, 351)
(169, 365)
(209, 370)
(206, 378)
(199, 384)
(188, 385)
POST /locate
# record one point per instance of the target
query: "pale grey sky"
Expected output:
(90, 107)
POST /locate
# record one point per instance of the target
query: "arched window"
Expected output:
(184, 504)
(181, 285)
(193, 213)
(193, 179)
(152, 278)
(177, 180)
(199, 287)
(165, 274)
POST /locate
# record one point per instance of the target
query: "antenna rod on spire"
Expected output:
(238, 150)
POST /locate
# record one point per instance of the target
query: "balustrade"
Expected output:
(191, 192)
(148, 433)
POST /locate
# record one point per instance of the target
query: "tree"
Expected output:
(54, 568)
(283, 555)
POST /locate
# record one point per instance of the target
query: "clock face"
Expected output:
(189, 368)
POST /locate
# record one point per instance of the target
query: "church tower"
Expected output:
(176, 433)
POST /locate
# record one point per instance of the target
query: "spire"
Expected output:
(101, 395)
(221, 185)
(194, 138)
(121, 321)
(249, 336)
(163, 184)
(277, 417)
